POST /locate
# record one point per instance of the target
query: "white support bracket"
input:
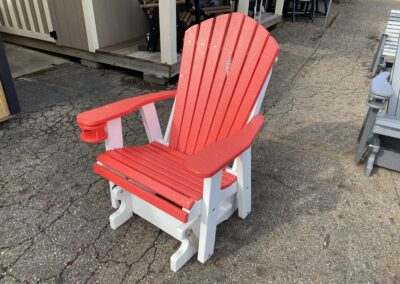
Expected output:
(187, 249)
(115, 140)
(124, 212)
(243, 168)
(209, 216)
(167, 134)
(151, 122)
(260, 100)
(116, 195)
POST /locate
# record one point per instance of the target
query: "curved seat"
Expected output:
(157, 168)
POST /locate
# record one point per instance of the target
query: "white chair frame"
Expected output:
(198, 234)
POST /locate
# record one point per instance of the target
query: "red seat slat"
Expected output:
(227, 178)
(165, 163)
(169, 178)
(164, 149)
(141, 193)
(111, 160)
(162, 175)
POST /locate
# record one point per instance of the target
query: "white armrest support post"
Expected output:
(114, 140)
(259, 102)
(151, 122)
(209, 216)
(169, 125)
(243, 169)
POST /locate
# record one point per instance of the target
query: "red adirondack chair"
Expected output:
(182, 182)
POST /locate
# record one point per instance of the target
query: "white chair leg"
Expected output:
(182, 255)
(114, 140)
(209, 217)
(124, 212)
(243, 168)
(114, 201)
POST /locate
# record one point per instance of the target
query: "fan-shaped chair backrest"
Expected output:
(225, 63)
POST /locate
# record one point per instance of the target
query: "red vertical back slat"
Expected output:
(203, 40)
(245, 40)
(189, 50)
(223, 69)
(217, 40)
(247, 72)
(228, 49)
(264, 66)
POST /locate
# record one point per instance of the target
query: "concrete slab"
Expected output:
(24, 61)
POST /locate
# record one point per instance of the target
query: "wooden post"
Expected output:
(243, 6)
(167, 11)
(4, 110)
(279, 7)
(90, 24)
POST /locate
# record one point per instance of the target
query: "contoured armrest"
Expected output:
(93, 122)
(218, 155)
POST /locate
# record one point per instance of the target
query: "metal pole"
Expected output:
(327, 14)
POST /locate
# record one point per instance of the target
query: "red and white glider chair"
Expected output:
(182, 182)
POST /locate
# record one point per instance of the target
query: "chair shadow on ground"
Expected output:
(288, 183)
